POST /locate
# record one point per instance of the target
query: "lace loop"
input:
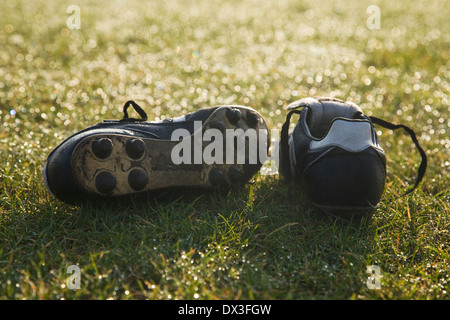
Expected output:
(137, 108)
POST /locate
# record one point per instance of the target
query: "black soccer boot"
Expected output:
(334, 154)
(212, 148)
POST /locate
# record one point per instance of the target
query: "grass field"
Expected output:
(173, 57)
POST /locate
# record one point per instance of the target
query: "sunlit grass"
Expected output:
(174, 57)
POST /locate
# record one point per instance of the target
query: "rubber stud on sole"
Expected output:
(234, 174)
(135, 148)
(217, 177)
(105, 182)
(102, 148)
(137, 179)
(233, 115)
(252, 119)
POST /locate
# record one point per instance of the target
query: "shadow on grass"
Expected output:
(282, 249)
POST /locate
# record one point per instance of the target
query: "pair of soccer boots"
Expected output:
(333, 153)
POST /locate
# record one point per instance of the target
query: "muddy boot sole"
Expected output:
(114, 165)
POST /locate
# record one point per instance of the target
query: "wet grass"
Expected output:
(252, 243)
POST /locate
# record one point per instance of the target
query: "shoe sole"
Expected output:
(116, 165)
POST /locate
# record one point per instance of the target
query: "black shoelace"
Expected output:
(423, 164)
(137, 108)
(286, 161)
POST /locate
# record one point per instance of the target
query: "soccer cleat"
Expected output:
(334, 154)
(212, 148)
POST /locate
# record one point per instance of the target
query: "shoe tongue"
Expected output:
(321, 114)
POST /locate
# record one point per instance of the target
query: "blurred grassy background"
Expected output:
(174, 57)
